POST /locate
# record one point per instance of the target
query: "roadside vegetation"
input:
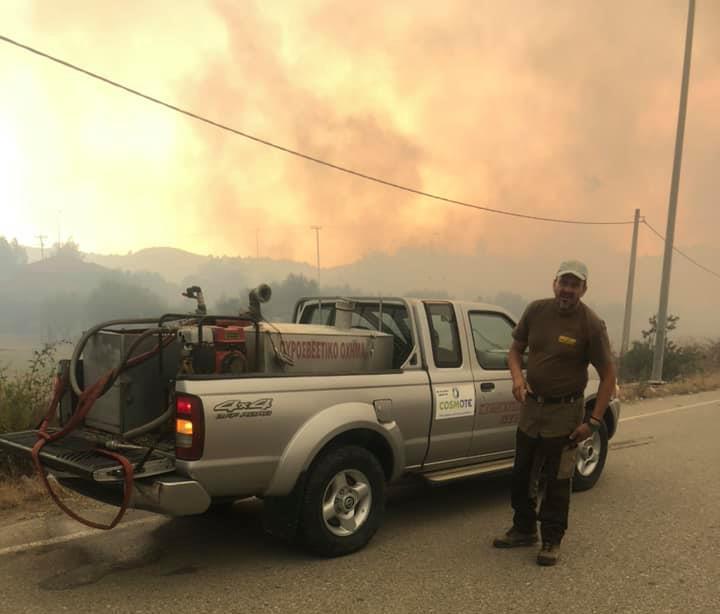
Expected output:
(687, 368)
(24, 397)
(637, 391)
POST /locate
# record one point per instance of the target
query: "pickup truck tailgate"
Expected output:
(77, 455)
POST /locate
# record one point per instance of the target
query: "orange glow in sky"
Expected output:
(562, 111)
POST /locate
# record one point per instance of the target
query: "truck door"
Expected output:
(497, 411)
(451, 380)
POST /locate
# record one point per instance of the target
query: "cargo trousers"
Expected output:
(544, 457)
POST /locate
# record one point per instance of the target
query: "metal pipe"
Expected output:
(149, 426)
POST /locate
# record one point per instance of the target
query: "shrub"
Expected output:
(678, 362)
(24, 397)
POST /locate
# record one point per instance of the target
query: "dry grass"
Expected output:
(28, 493)
(17, 492)
(26, 497)
(701, 382)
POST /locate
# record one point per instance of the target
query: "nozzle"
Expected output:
(196, 293)
(261, 294)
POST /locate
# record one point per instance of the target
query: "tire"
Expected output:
(220, 507)
(344, 501)
(591, 457)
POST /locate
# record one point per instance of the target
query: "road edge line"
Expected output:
(669, 410)
(61, 539)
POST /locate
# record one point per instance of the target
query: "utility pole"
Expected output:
(42, 245)
(630, 288)
(257, 243)
(659, 353)
(59, 222)
(317, 243)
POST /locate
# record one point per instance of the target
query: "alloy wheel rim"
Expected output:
(346, 502)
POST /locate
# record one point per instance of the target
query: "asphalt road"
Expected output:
(645, 539)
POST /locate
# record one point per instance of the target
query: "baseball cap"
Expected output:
(573, 267)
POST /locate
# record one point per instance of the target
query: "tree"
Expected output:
(114, 298)
(12, 256)
(62, 315)
(678, 361)
(286, 294)
(68, 250)
(229, 306)
(649, 334)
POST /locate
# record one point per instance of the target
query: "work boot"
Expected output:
(513, 538)
(549, 554)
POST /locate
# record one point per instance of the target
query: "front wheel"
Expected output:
(591, 456)
(344, 501)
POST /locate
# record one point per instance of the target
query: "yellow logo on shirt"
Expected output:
(567, 340)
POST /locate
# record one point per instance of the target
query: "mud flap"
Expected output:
(281, 515)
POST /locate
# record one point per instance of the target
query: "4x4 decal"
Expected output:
(243, 409)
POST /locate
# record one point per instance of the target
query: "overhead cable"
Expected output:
(683, 254)
(305, 156)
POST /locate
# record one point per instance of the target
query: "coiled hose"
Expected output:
(86, 400)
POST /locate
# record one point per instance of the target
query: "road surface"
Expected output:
(645, 539)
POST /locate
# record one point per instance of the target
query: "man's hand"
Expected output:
(581, 433)
(515, 363)
(520, 390)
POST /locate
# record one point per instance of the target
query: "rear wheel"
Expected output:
(344, 501)
(591, 456)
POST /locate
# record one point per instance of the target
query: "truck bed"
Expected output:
(77, 455)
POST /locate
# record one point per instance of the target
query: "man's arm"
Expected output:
(515, 363)
(605, 392)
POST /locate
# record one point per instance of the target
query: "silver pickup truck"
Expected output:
(315, 417)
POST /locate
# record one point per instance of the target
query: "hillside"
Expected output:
(166, 271)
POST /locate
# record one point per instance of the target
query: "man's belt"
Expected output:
(568, 398)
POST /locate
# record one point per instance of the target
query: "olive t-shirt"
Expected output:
(561, 345)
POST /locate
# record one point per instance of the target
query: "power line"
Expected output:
(683, 254)
(305, 156)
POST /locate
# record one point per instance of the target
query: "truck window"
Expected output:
(492, 337)
(444, 335)
(312, 314)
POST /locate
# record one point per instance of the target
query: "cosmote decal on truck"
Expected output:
(454, 401)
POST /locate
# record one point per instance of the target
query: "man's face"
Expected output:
(568, 291)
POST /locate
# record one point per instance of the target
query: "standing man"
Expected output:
(563, 336)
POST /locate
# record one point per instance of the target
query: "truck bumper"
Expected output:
(170, 494)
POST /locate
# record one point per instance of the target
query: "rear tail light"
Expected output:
(189, 427)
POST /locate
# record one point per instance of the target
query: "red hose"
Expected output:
(85, 402)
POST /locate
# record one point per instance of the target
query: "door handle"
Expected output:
(487, 386)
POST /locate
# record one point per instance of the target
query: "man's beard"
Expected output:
(566, 303)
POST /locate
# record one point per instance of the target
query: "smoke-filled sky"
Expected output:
(564, 109)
